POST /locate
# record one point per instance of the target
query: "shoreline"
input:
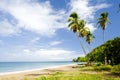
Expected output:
(37, 69)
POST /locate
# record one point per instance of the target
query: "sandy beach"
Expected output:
(32, 74)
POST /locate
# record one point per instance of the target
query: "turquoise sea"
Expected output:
(21, 66)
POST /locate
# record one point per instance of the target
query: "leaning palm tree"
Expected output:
(89, 38)
(102, 22)
(75, 24)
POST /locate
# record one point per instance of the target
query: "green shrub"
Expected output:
(103, 68)
(99, 64)
(116, 69)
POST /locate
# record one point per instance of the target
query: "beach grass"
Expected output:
(77, 76)
(83, 73)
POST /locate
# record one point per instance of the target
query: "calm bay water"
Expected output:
(20, 66)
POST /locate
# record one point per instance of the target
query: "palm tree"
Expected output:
(83, 32)
(75, 25)
(74, 19)
(102, 22)
(89, 38)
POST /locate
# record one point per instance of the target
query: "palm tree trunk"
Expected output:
(103, 36)
(82, 46)
(105, 59)
(89, 47)
(83, 49)
(104, 43)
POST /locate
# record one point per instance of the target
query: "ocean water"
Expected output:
(21, 66)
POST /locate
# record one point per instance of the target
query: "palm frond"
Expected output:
(73, 28)
(81, 24)
(89, 38)
(118, 8)
(99, 18)
(70, 19)
(103, 19)
(71, 24)
(74, 15)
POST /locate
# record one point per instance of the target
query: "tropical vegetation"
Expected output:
(80, 59)
(108, 53)
(111, 49)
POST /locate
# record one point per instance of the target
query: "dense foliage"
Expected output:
(80, 59)
(111, 49)
(116, 69)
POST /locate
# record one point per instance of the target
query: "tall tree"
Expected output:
(75, 25)
(102, 22)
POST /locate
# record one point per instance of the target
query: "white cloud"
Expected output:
(37, 17)
(82, 8)
(86, 10)
(91, 27)
(26, 50)
(34, 40)
(42, 18)
(7, 29)
(54, 43)
(44, 54)
(56, 54)
(1, 42)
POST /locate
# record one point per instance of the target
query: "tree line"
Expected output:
(110, 49)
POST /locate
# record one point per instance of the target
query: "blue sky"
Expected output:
(36, 30)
